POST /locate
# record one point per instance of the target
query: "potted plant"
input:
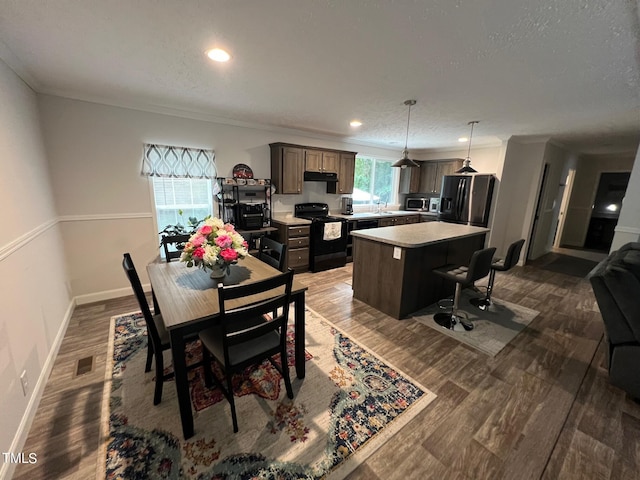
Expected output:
(179, 230)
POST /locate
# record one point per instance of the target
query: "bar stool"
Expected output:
(500, 265)
(464, 276)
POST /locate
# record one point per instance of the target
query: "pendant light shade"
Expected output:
(405, 161)
(466, 166)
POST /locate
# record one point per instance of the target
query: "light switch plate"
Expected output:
(397, 253)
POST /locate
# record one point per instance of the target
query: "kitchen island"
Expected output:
(392, 266)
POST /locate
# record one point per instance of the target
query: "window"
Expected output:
(192, 196)
(375, 181)
(181, 179)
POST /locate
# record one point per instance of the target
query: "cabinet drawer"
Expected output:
(298, 257)
(299, 231)
(298, 242)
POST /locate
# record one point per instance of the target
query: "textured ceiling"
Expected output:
(566, 69)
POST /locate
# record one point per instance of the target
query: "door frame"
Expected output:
(536, 215)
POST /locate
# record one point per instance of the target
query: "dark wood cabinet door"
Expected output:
(428, 177)
(292, 170)
(346, 172)
(312, 160)
(330, 162)
(410, 179)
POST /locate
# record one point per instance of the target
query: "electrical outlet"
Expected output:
(25, 383)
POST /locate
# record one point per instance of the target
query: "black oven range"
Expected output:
(328, 237)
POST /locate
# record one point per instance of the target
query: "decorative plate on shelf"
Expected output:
(242, 171)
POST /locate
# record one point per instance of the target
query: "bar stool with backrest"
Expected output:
(464, 276)
(500, 265)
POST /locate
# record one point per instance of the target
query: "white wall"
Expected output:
(628, 228)
(519, 185)
(95, 154)
(35, 302)
(588, 170)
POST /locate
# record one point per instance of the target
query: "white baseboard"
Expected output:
(107, 294)
(7, 469)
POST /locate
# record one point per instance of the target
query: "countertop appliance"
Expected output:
(249, 216)
(466, 199)
(416, 204)
(434, 204)
(347, 206)
(328, 236)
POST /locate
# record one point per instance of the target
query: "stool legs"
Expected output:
(451, 320)
(485, 303)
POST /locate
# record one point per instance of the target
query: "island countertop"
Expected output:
(418, 235)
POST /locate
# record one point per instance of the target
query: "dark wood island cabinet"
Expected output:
(393, 266)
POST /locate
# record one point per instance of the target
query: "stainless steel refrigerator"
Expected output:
(466, 199)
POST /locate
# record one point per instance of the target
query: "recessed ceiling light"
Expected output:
(218, 55)
(355, 123)
(463, 139)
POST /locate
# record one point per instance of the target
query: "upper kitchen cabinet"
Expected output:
(287, 168)
(346, 174)
(428, 178)
(410, 179)
(320, 161)
(290, 162)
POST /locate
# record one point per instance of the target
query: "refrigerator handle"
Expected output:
(459, 198)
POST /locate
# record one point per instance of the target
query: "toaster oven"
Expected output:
(249, 216)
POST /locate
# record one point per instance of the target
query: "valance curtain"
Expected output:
(178, 162)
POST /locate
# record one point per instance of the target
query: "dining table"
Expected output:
(188, 301)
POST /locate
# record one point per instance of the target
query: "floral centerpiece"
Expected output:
(216, 246)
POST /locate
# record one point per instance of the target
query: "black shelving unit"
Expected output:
(256, 191)
(234, 191)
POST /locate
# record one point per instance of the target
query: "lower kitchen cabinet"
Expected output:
(401, 220)
(296, 238)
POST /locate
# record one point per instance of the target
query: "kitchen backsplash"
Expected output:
(312, 192)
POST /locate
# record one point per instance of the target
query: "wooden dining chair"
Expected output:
(157, 335)
(272, 253)
(171, 241)
(244, 337)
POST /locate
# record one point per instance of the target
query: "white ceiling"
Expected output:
(567, 69)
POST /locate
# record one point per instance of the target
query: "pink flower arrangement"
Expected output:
(214, 244)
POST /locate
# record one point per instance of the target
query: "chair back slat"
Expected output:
(272, 253)
(169, 240)
(134, 279)
(279, 303)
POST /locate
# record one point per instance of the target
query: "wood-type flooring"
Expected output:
(541, 409)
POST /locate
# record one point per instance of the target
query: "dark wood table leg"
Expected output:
(182, 382)
(299, 335)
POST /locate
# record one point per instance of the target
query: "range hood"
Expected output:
(320, 177)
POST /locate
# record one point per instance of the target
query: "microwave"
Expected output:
(423, 204)
(417, 204)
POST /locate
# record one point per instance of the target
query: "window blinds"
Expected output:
(178, 162)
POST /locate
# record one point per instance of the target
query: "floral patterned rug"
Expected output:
(349, 404)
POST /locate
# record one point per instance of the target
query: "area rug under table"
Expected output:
(350, 402)
(493, 328)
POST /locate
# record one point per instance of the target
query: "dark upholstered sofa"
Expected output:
(616, 284)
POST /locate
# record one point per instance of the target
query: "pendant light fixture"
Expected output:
(405, 161)
(466, 166)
